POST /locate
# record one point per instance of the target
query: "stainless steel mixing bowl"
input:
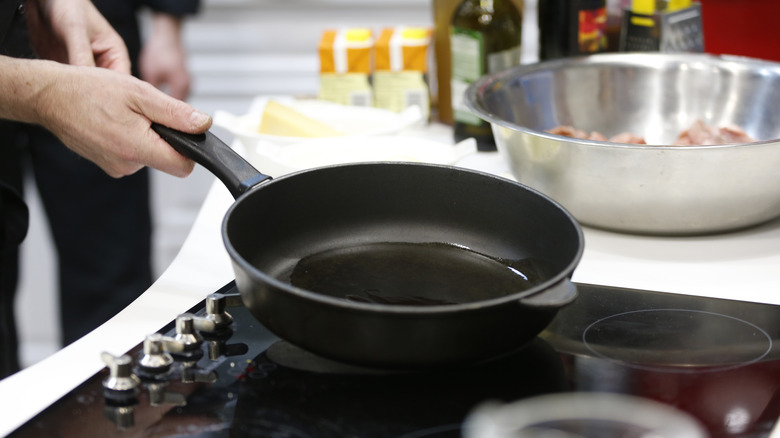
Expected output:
(642, 188)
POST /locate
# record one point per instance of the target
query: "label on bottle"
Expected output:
(467, 47)
(592, 30)
(504, 59)
(572, 28)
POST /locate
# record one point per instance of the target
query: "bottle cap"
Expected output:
(646, 7)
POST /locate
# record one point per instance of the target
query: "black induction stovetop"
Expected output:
(717, 360)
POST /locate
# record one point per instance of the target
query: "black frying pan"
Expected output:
(393, 265)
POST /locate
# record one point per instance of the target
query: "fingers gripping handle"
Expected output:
(220, 159)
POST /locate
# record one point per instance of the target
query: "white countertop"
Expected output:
(741, 265)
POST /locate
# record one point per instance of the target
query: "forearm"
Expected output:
(167, 26)
(103, 115)
(22, 83)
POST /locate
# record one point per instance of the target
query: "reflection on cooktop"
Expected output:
(288, 355)
(338, 402)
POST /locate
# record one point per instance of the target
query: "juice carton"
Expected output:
(400, 79)
(346, 64)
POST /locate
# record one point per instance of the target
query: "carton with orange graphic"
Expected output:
(346, 63)
(401, 76)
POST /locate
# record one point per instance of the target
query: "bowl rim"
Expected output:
(649, 59)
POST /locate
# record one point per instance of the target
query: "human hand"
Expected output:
(74, 32)
(116, 134)
(163, 61)
(103, 115)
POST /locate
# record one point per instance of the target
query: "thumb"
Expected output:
(160, 108)
(176, 114)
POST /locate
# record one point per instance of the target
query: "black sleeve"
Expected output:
(174, 7)
(8, 12)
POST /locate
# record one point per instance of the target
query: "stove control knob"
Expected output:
(186, 334)
(216, 318)
(188, 338)
(120, 374)
(215, 310)
(155, 358)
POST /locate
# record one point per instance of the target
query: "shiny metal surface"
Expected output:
(581, 414)
(641, 188)
(155, 356)
(120, 373)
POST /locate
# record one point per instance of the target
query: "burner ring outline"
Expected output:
(678, 369)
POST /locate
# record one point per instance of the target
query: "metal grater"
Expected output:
(678, 31)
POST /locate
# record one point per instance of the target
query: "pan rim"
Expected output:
(562, 275)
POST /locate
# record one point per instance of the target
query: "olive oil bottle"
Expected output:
(485, 37)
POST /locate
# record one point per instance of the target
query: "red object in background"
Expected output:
(741, 27)
(729, 403)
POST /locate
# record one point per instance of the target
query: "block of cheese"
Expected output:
(282, 120)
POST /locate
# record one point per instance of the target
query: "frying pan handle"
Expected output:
(558, 295)
(220, 159)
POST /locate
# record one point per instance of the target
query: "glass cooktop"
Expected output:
(716, 360)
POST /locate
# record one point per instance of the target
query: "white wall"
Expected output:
(238, 49)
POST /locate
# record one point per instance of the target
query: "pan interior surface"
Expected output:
(402, 234)
(419, 274)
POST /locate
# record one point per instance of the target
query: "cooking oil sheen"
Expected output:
(419, 274)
